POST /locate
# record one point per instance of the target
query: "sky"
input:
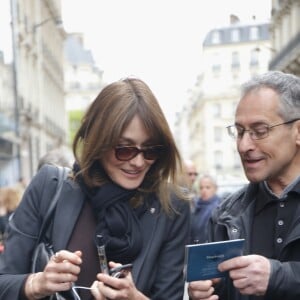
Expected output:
(158, 41)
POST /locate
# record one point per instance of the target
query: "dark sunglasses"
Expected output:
(125, 153)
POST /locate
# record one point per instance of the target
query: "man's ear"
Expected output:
(297, 125)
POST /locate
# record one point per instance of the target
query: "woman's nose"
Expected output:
(138, 160)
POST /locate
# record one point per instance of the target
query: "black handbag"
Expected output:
(43, 249)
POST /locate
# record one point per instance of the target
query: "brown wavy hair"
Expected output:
(103, 124)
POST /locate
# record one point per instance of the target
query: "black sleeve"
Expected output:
(22, 232)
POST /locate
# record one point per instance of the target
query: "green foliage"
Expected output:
(75, 117)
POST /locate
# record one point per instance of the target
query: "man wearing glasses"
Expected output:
(267, 212)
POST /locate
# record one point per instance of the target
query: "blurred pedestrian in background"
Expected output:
(57, 157)
(123, 187)
(10, 198)
(267, 212)
(21, 185)
(204, 205)
(190, 176)
(191, 173)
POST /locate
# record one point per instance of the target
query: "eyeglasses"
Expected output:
(125, 153)
(256, 133)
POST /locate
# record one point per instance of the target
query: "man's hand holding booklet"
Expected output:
(202, 260)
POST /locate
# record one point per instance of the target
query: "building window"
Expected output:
(235, 60)
(279, 3)
(218, 158)
(74, 85)
(216, 37)
(236, 160)
(218, 134)
(6, 148)
(216, 110)
(235, 35)
(216, 64)
(254, 33)
(254, 57)
(216, 67)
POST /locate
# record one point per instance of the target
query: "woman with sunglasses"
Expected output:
(122, 194)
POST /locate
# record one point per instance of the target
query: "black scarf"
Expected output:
(117, 221)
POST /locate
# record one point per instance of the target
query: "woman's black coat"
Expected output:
(157, 271)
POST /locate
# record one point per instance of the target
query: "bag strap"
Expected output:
(62, 174)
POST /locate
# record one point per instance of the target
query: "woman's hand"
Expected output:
(116, 288)
(59, 274)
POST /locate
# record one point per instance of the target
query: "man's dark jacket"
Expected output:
(232, 220)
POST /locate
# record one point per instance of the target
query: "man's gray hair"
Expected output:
(287, 86)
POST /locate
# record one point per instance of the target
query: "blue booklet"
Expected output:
(202, 260)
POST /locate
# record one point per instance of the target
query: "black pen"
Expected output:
(102, 255)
